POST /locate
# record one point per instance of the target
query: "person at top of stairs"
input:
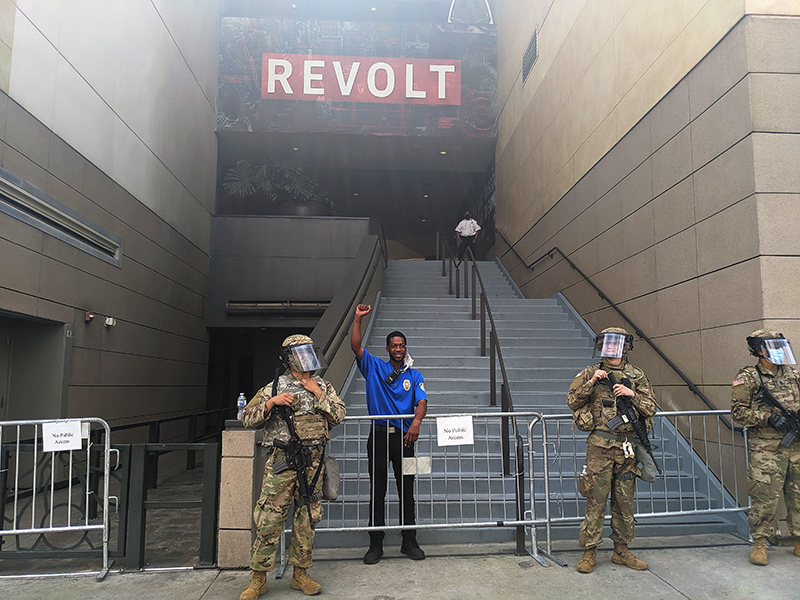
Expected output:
(393, 388)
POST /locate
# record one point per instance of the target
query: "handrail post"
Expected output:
(483, 324)
(458, 286)
(437, 245)
(152, 457)
(134, 543)
(474, 293)
(492, 372)
(191, 436)
(466, 279)
(504, 436)
(208, 516)
(449, 278)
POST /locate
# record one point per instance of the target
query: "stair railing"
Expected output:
(449, 265)
(637, 330)
(506, 404)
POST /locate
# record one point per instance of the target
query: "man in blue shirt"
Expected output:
(393, 388)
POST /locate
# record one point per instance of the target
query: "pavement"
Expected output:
(707, 566)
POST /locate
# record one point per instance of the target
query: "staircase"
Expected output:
(544, 344)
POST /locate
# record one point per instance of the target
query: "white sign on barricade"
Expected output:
(61, 435)
(454, 431)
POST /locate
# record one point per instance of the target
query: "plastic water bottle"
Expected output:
(241, 402)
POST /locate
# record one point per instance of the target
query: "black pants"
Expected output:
(466, 242)
(384, 447)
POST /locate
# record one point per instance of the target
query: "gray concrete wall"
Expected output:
(153, 361)
(690, 222)
(269, 259)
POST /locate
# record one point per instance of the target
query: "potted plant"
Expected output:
(280, 182)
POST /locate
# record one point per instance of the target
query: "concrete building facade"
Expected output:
(106, 130)
(657, 145)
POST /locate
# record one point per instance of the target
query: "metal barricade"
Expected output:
(455, 487)
(49, 498)
(703, 462)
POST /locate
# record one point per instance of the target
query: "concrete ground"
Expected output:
(710, 566)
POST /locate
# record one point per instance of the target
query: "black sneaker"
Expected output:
(412, 550)
(373, 555)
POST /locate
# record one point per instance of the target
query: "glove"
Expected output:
(777, 422)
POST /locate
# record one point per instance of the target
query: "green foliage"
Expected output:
(278, 181)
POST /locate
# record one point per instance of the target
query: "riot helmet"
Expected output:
(772, 346)
(612, 342)
(301, 353)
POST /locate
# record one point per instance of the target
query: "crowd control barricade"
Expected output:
(52, 502)
(703, 462)
(456, 487)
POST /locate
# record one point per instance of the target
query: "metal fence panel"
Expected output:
(49, 501)
(702, 459)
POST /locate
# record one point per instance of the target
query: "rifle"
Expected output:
(627, 414)
(792, 416)
(298, 456)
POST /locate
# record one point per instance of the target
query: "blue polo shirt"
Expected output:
(399, 398)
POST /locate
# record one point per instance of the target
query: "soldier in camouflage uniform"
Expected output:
(611, 467)
(316, 408)
(772, 467)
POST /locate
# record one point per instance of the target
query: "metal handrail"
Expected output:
(637, 330)
(449, 253)
(506, 402)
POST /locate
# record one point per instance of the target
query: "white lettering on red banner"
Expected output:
(361, 79)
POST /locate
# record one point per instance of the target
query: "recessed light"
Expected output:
(443, 152)
(294, 5)
(295, 148)
(425, 195)
(355, 193)
(373, 9)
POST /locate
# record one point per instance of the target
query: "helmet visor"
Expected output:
(778, 351)
(609, 345)
(306, 357)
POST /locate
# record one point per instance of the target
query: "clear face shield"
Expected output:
(777, 351)
(610, 345)
(305, 357)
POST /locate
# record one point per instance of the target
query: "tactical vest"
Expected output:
(602, 405)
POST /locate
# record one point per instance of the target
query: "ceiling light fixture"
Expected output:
(295, 148)
(424, 195)
(443, 152)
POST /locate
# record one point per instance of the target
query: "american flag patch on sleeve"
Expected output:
(739, 381)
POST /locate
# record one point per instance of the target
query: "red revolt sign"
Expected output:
(361, 79)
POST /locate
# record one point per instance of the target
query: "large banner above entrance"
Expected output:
(408, 79)
(365, 79)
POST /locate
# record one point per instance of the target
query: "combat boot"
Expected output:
(587, 561)
(302, 581)
(623, 556)
(797, 548)
(256, 587)
(759, 554)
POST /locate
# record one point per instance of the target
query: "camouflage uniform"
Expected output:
(313, 418)
(608, 470)
(772, 468)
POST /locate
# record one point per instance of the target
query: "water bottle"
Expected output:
(241, 402)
